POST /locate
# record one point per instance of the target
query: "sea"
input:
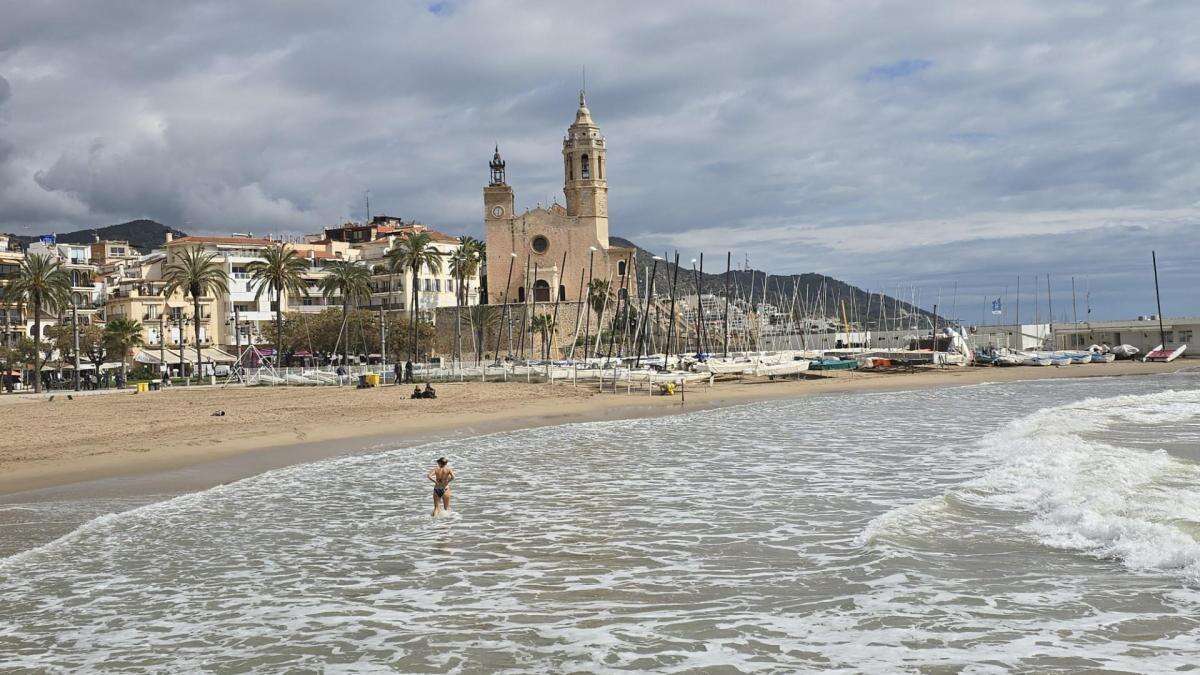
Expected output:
(1034, 526)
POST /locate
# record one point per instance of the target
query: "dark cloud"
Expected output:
(983, 140)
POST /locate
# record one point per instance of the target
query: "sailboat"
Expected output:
(1161, 353)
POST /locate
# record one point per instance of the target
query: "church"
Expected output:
(552, 251)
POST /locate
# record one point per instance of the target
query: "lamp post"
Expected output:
(162, 341)
(75, 331)
(182, 322)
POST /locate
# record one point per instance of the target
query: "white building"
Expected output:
(1142, 333)
(390, 291)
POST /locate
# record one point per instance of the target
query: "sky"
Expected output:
(936, 150)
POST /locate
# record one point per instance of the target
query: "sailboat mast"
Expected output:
(1162, 335)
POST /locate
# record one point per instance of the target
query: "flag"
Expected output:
(996, 307)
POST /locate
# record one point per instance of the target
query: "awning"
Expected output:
(208, 355)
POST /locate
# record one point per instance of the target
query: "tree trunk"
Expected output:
(278, 327)
(346, 323)
(196, 314)
(458, 322)
(37, 346)
(413, 348)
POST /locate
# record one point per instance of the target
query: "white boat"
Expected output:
(1098, 357)
(1124, 351)
(785, 368)
(1012, 359)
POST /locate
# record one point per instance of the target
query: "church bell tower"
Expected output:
(498, 195)
(584, 170)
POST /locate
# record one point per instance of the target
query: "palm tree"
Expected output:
(44, 285)
(122, 335)
(543, 324)
(280, 271)
(599, 291)
(351, 281)
(464, 264)
(413, 252)
(483, 319)
(197, 274)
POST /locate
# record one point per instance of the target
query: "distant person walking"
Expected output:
(441, 475)
(408, 371)
(398, 370)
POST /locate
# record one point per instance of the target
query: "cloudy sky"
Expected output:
(937, 148)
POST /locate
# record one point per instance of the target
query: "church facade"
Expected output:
(549, 253)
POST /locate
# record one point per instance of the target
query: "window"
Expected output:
(437, 285)
(541, 291)
(584, 169)
(623, 294)
(621, 268)
(600, 167)
(521, 294)
(153, 311)
(540, 244)
(562, 293)
(570, 170)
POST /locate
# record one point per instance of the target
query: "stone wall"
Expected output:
(507, 327)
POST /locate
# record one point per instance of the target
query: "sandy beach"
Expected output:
(63, 442)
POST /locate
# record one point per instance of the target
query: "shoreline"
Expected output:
(203, 463)
(43, 501)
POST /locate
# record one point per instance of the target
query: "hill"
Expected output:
(142, 234)
(809, 293)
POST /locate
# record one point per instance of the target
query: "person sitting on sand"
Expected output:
(417, 393)
(441, 475)
(429, 392)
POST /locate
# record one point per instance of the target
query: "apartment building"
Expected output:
(236, 254)
(105, 252)
(87, 291)
(12, 320)
(390, 291)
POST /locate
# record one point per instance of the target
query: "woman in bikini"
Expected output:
(441, 475)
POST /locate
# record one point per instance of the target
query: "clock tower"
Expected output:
(498, 195)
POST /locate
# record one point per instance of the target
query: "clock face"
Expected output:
(497, 211)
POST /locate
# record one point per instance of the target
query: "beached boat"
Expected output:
(1165, 355)
(1080, 358)
(1124, 351)
(785, 368)
(833, 364)
(1011, 359)
(1099, 357)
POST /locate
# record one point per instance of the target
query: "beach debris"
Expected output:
(51, 399)
(219, 413)
(70, 397)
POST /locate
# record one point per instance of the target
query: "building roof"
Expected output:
(251, 241)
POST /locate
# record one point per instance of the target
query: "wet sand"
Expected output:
(169, 442)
